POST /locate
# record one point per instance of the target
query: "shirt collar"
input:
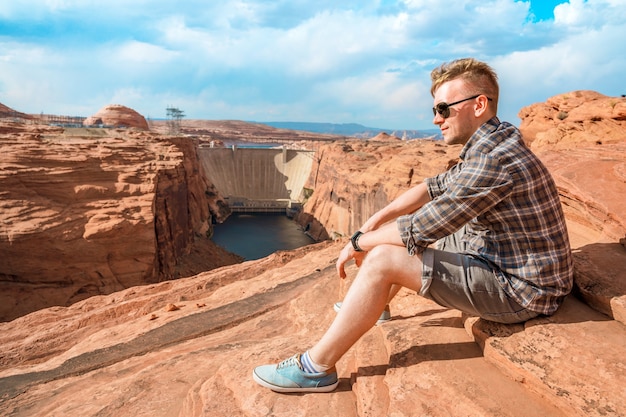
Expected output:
(485, 129)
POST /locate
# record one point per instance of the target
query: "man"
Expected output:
(502, 250)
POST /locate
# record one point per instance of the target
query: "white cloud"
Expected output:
(329, 42)
(587, 14)
(144, 53)
(581, 61)
(385, 90)
(350, 61)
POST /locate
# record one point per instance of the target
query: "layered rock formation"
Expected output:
(93, 214)
(116, 115)
(574, 120)
(187, 347)
(354, 179)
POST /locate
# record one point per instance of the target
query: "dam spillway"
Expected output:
(258, 179)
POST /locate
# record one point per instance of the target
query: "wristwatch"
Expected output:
(355, 241)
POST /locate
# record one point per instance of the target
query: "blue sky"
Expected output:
(351, 61)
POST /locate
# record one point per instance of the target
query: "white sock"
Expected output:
(310, 366)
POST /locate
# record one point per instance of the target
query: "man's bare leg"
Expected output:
(384, 268)
(392, 293)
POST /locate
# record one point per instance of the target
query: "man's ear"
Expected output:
(480, 105)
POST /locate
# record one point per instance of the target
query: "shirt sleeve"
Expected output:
(469, 189)
(437, 185)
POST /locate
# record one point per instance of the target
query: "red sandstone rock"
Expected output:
(122, 354)
(579, 118)
(7, 112)
(352, 180)
(384, 137)
(117, 115)
(83, 216)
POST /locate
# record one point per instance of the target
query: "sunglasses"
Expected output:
(444, 108)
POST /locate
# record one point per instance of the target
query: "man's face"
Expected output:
(461, 123)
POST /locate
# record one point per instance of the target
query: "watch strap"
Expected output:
(355, 241)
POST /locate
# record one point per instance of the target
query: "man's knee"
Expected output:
(393, 265)
(385, 258)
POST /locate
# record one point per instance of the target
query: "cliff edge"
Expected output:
(88, 212)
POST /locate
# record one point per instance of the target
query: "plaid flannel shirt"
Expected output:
(510, 204)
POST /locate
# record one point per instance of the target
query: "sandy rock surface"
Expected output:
(126, 354)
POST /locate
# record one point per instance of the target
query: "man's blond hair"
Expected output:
(480, 77)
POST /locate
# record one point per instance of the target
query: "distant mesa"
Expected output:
(117, 115)
(354, 130)
(382, 136)
(9, 112)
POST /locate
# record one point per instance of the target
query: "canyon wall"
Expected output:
(351, 180)
(92, 211)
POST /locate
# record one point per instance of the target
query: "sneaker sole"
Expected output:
(276, 388)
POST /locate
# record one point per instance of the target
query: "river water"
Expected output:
(255, 236)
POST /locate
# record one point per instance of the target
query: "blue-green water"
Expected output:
(255, 236)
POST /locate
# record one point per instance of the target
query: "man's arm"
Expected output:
(406, 203)
(377, 229)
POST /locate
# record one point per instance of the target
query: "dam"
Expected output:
(260, 180)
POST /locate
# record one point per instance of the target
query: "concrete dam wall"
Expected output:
(258, 179)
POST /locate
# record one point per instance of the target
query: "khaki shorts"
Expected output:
(463, 282)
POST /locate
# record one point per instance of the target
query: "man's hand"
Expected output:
(346, 254)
